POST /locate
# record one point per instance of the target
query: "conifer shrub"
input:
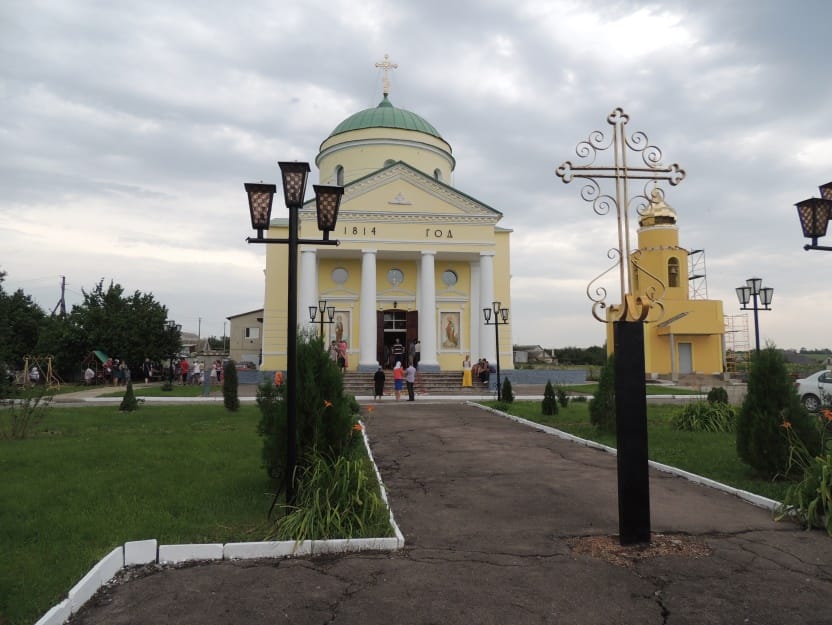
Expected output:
(129, 402)
(549, 406)
(563, 398)
(230, 397)
(770, 401)
(602, 406)
(506, 393)
(325, 414)
(718, 395)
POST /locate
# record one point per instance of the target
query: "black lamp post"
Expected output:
(500, 318)
(814, 216)
(173, 329)
(322, 307)
(327, 202)
(754, 289)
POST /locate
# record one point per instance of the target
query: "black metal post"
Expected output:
(756, 324)
(292, 358)
(631, 433)
(497, 349)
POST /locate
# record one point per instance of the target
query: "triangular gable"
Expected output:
(406, 197)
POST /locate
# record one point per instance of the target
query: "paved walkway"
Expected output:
(489, 509)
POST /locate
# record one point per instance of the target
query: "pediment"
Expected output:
(399, 189)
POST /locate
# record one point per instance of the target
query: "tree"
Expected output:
(549, 406)
(130, 327)
(20, 318)
(770, 401)
(602, 406)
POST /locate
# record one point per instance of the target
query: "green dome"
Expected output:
(385, 115)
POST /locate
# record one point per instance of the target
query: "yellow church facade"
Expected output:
(418, 259)
(688, 337)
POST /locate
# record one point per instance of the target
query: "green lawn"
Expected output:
(709, 454)
(155, 390)
(91, 479)
(652, 389)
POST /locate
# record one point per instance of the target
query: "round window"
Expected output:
(449, 277)
(340, 275)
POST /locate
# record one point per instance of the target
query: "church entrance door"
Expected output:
(397, 329)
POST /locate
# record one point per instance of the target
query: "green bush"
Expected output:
(506, 394)
(718, 395)
(129, 403)
(22, 411)
(549, 406)
(230, 398)
(704, 416)
(324, 413)
(602, 406)
(770, 401)
(563, 398)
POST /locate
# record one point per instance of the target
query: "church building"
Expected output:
(688, 337)
(418, 259)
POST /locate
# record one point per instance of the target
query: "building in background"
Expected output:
(419, 259)
(245, 339)
(688, 338)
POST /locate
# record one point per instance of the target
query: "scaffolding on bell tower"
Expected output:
(697, 275)
(737, 347)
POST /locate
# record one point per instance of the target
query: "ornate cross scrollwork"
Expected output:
(650, 170)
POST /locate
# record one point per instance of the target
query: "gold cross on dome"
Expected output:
(386, 65)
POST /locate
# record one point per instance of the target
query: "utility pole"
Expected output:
(61, 302)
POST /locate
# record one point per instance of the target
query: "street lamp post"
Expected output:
(500, 318)
(754, 289)
(322, 307)
(327, 202)
(629, 316)
(814, 216)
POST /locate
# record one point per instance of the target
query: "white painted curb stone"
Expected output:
(139, 552)
(97, 576)
(174, 554)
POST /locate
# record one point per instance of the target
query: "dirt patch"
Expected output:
(609, 549)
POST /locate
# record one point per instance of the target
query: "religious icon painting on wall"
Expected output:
(449, 330)
(339, 329)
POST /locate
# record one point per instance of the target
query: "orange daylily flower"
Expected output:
(786, 425)
(357, 427)
(370, 408)
(327, 404)
(828, 414)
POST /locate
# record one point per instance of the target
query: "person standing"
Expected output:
(466, 372)
(197, 369)
(397, 351)
(398, 380)
(147, 370)
(378, 383)
(183, 371)
(417, 352)
(410, 378)
(89, 376)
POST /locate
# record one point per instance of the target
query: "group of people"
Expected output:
(338, 352)
(401, 377)
(481, 371)
(196, 374)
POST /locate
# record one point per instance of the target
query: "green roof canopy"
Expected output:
(385, 115)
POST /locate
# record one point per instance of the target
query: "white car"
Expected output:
(816, 390)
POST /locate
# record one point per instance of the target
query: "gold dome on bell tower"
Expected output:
(658, 212)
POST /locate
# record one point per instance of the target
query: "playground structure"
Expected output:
(46, 374)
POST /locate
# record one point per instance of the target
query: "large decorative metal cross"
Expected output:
(628, 319)
(622, 173)
(386, 66)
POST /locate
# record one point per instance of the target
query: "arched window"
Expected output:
(339, 175)
(673, 272)
(437, 174)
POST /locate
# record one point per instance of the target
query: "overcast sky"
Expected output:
(128, 129)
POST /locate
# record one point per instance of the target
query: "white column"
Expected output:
(367, 352)
(427, 312)
(474, 312)
(487, 346)
(308, 285)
